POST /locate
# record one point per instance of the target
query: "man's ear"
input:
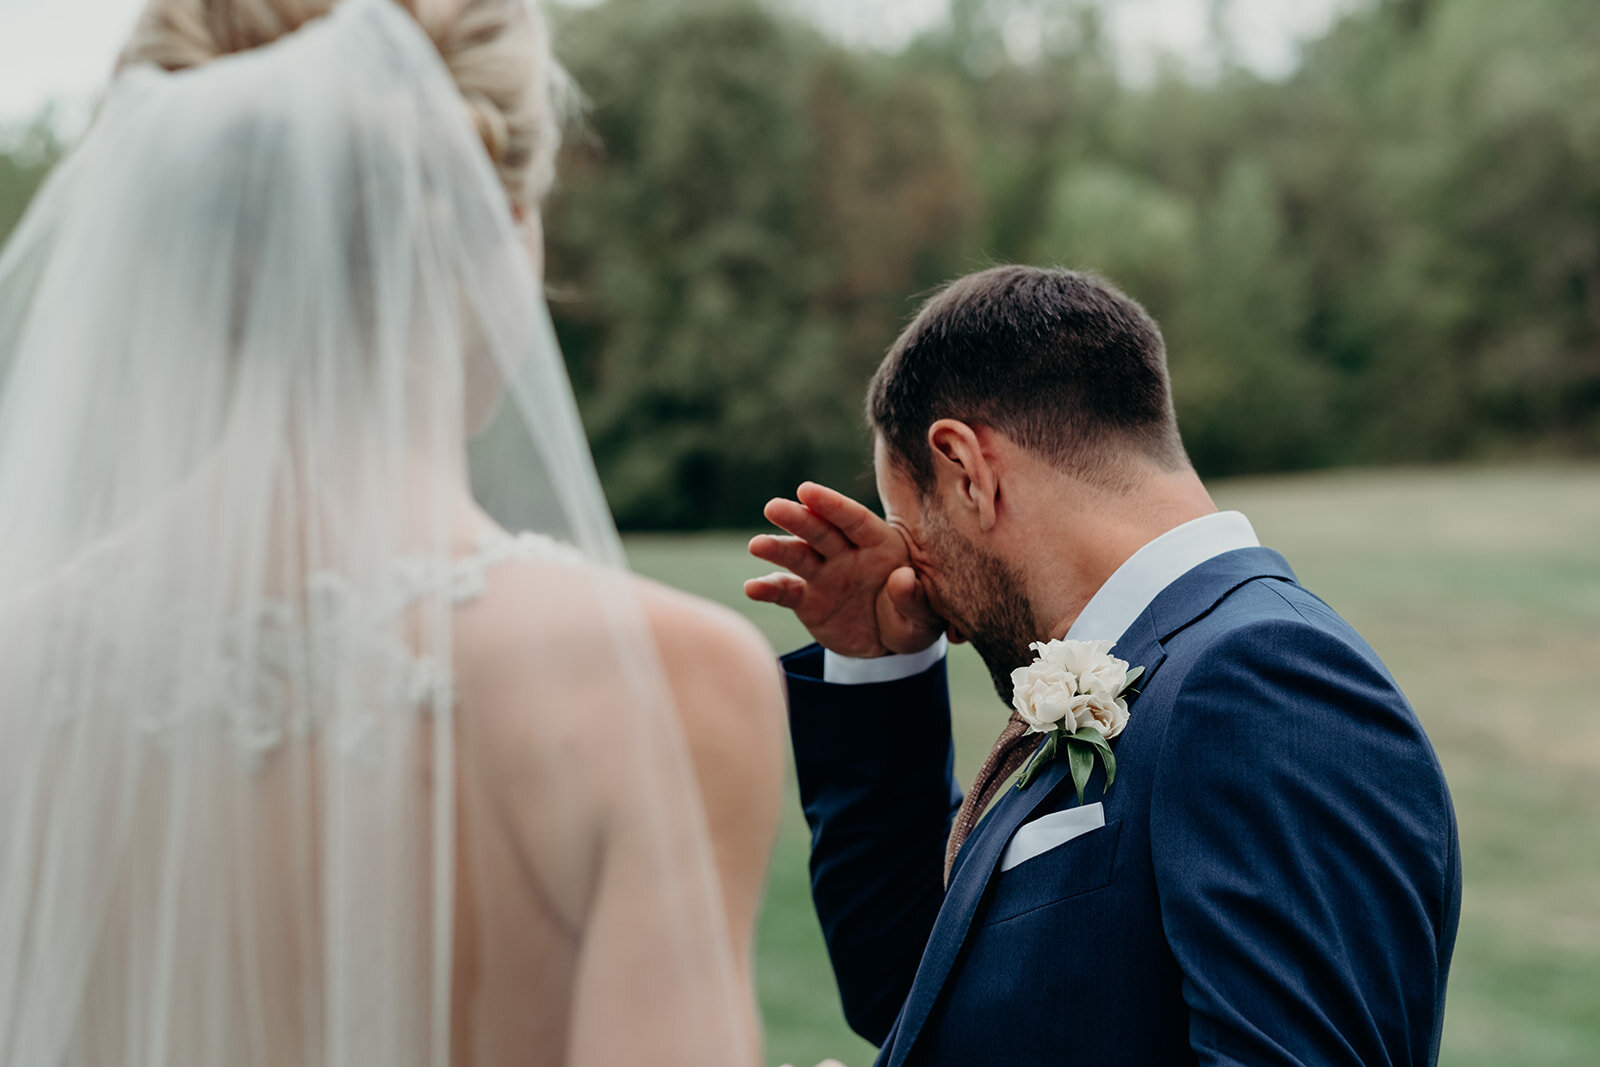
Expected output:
(964, 471)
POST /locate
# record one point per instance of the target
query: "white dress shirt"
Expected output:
(1109, 613)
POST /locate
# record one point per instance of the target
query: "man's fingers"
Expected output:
(801, 521)
(790, 552)
(784, 590)
(852, 519)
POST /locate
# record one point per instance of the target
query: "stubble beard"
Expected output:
(996, 615)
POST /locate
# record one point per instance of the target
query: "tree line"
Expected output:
(1391, 256)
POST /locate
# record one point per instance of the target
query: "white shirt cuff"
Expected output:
(847, 670)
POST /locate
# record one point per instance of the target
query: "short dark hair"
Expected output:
(1061, 362)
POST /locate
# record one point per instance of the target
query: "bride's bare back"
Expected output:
(560, 881)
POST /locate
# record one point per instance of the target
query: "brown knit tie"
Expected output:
(1010, 752)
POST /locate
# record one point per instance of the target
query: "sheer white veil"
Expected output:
(245, 325)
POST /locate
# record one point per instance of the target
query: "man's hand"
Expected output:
(851, 584)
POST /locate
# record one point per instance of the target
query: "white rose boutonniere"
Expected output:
(1075, 692)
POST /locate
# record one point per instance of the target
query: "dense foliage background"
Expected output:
(1392, 256)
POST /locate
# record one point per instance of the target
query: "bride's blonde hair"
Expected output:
(498, 52)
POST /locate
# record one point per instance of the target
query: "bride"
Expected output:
(304, 759)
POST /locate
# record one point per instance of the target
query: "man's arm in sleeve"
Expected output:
(1305, 855)
(875, 765)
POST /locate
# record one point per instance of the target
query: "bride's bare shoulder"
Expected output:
(532, 608)
(549, 624)
(713, 652)
(558, 608)
(544, 652)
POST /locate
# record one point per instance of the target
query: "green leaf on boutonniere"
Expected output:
(1097, 741)
(1080, 761)
(1133, 676)
(1041, 759)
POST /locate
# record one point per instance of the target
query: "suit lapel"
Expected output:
(981, 854)
(1180, 604)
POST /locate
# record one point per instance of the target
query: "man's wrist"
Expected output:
(848, 670)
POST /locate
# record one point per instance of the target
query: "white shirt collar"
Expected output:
(1147, 572)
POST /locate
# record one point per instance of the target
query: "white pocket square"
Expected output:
(1043, 834)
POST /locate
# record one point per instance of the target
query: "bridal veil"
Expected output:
(245, 327)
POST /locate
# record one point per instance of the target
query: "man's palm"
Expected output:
(851, 583)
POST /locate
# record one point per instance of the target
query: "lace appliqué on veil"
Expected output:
(334, 665)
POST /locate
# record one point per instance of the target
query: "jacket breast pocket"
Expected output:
(1079, 866)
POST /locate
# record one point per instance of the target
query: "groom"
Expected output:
(1273, 875)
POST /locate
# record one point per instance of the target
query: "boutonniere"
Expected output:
(1076, 693)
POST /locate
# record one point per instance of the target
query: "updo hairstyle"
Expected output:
(498, 52)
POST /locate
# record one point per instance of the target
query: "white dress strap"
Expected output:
(469, 574)
(464, 577)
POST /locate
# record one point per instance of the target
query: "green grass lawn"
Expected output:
(1481, 589)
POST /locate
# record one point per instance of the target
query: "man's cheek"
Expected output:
(944, 607)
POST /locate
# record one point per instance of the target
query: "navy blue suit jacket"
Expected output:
(1277, 881)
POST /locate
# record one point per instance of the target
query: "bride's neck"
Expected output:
(425, 507)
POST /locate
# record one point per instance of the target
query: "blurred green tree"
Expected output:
(26, 155)
(734, 244)
(1393, 255)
